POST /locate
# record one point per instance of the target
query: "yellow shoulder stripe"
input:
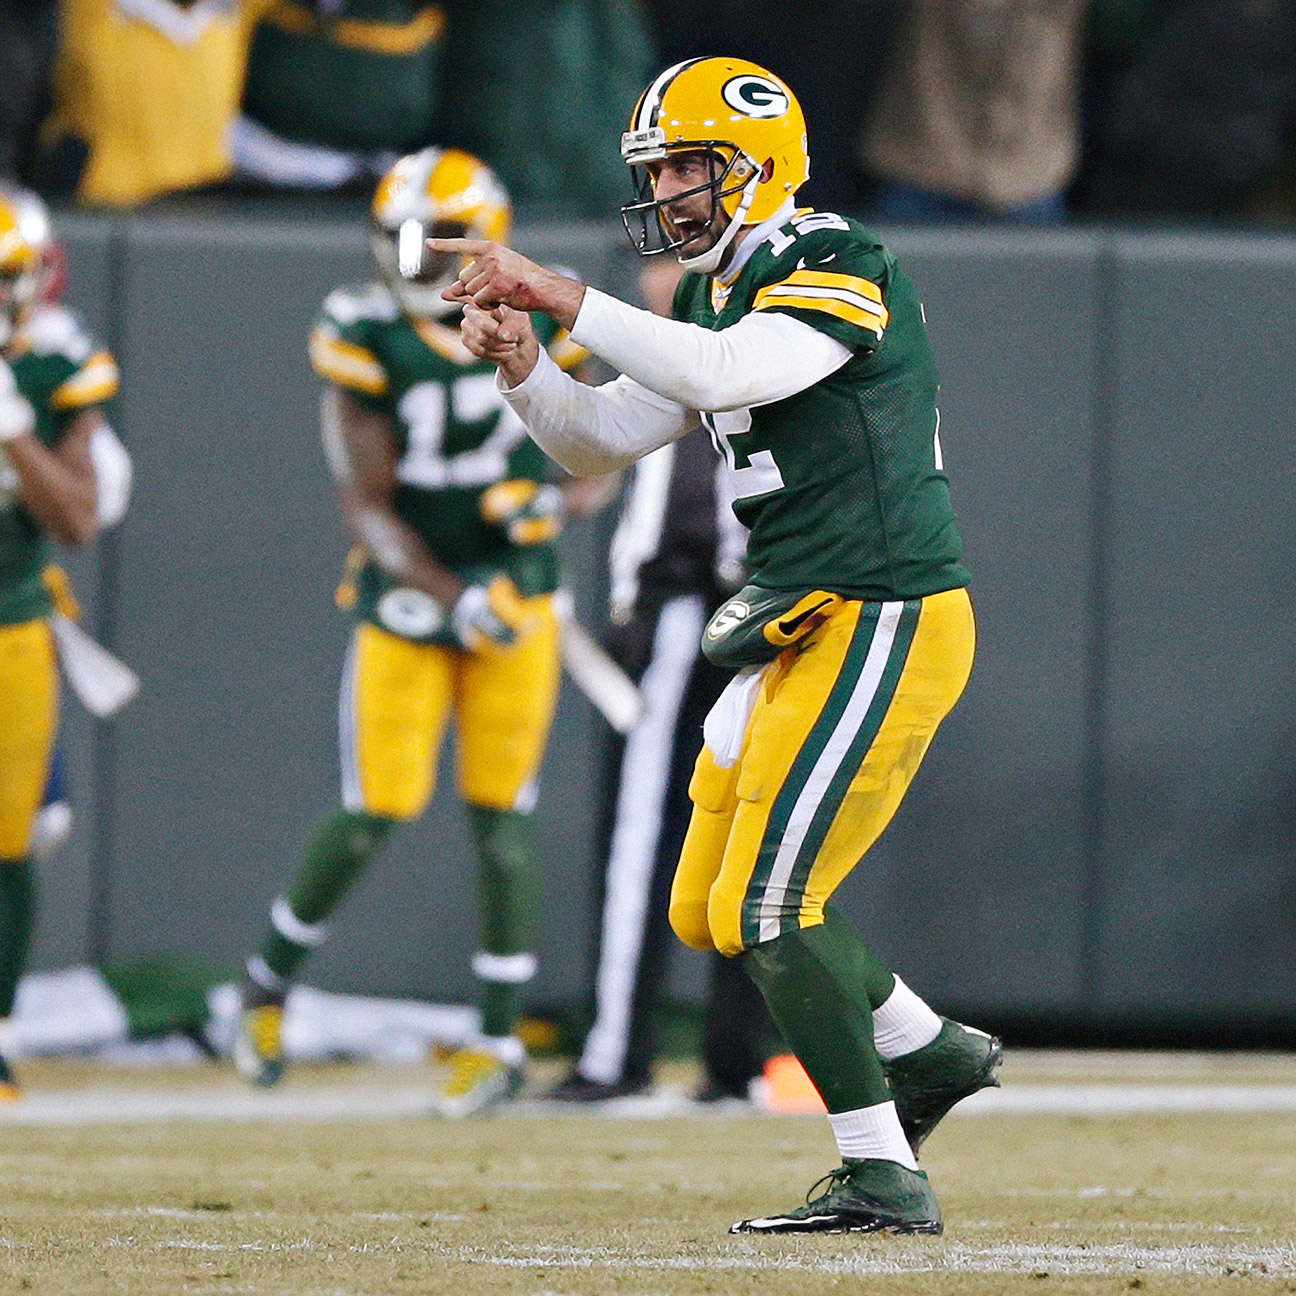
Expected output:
(565, 353)
(378, 37)
(444, 340)
(95, 381)
(346, 364)
(846, 283)
(389, 38)
(848, 297)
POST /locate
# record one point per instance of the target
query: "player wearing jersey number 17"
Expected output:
(451, 593)
(799, 342)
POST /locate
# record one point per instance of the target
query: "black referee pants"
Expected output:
(645, 814)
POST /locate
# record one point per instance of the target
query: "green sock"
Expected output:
(876, 981)
(17, 918)
(336, 854)
(508, 906)
(810, 980)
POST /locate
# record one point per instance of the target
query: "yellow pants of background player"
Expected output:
(397, 697)
(28, 719)
(837, 733)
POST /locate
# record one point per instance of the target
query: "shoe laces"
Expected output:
(834, 1179)
(470, 1068)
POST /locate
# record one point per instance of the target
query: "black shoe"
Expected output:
(714, 1092)
(929, 1081)
(577, 1088)
(863, 1197)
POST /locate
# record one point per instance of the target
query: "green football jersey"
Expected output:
(841, 486)
(455, 437)
(61, 370)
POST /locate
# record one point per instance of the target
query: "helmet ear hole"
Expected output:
(767, 170)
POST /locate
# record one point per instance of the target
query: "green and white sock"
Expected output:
(506, 961)
(17, 920)
(903, 1023)
(336, 855)
(873, 980)
(810, 980)
(872, 1133)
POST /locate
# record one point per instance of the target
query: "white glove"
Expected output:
(17, 417)
(473, 618)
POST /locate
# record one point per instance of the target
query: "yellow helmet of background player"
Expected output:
(436, 192)
(24, 236)
(745, 118)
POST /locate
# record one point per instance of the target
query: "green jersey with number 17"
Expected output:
(842, 485)
(454, 435)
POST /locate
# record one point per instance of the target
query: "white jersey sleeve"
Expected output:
(591, 430)
(762, 358)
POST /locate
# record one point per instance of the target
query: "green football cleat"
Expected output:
(863, 1197)
(258, 1042)
(929, 1081)
(478, 1082)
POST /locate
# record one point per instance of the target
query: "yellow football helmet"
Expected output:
(743, 117)
(26, 239)
(437, 192)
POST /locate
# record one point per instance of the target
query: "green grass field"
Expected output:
(1086, 1174)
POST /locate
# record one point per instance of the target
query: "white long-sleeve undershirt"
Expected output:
(669, 369)
(592, 430)
(764, 357)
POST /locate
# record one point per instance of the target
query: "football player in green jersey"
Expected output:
(453, 600)
(799, 342)
(63, 475)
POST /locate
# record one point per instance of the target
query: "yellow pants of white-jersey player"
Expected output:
(398, 696)
(840, 725)
(28, 720)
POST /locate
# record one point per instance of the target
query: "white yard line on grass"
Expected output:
(927, 1257)
(135, 1106)
(1128, 1099)
(868, 1259)
(374, 1101)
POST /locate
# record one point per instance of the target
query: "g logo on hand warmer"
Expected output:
(410, 613)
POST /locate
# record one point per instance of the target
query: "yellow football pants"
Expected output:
(28, 720)
(836, 736)
(398, 696)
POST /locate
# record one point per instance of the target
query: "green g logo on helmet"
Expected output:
(740, 114)
(755, 96)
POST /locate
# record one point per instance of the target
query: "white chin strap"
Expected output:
(708, 262)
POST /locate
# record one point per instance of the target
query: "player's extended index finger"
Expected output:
(464, 246)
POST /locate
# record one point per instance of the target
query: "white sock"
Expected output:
(903, 1023)
(260, 973)
(507, 1048)
(872, 1133)
(290, 927)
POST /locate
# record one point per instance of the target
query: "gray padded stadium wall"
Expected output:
(1103, 830)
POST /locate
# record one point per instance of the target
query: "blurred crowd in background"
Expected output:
(1036, 111)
